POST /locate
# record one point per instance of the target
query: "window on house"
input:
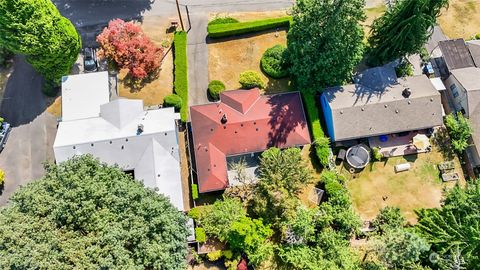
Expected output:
(454, 90)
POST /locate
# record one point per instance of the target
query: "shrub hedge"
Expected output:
(251, 79)
(321, 142)
(222, 20)
(173, 100)
(273, 62)
(200, 235)
(194, 191)
(181, 71)
(194, 213)
(231, 29)
(215, 87)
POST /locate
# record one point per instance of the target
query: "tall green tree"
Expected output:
(459, 130)
(403, 29)
(86, 215)
(36, 29)
(325, 42)
(454, 230)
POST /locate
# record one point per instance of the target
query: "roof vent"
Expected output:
(139, 129)
(406, 92)
(224, 119)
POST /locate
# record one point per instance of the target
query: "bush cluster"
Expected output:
(181, 71)
(404, 69)
(250, 79)
(2, 178)
(273, 62)
(223, 20)
(200, 235)
(173, 100)
(215, 87)
(322, 143)
(231, 29)
(194, 191)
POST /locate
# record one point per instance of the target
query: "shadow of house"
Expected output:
(23, 99)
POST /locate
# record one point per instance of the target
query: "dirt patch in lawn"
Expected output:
(378, 185)
(153, 92)
(461, 20)
(232, 56)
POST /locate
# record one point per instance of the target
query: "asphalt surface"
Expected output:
(30, 141)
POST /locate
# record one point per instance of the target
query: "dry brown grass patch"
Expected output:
(461, 19)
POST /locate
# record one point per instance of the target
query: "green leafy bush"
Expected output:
(200, 235)
(424, 55)
(251, 79)
(459, 130)
(389, 218)
(2, 178)
(231, 29)
(181, 71)
(273, 62)
(215, 87)
(5, 55)
(194, 191)
(223, 20)
(214, 255)
(228, 254)
(377, 155)
(50, 89)
(321, 142)
(404, 69)
(194, 213)
(173, 100)
(477, 36)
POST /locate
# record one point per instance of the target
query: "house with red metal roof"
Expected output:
(243, 122)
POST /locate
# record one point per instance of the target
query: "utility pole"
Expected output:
(180, 15)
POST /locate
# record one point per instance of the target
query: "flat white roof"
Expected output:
(438, 84)
(83, 94)
(113, 138)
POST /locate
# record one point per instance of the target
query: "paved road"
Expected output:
(31, 139)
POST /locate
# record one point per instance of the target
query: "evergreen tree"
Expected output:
(36, 29)
(325, 42)
(403, 29)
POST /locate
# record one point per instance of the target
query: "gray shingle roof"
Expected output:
(474, 48)
(359, 111)
(456, 54)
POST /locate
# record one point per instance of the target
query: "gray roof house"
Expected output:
(373, 107)
(464, 87)
(121, 132)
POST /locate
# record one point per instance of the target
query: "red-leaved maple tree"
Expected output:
(128, 47)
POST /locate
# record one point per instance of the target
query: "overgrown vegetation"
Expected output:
(320, 141)
(5, 55)
(36, 29)
(459, 130)
(181, 71)
(404, 69)
(325, 43)
(403, 30)
(216, 87)
(232, 29)
(85, 214)
(273, 62)
(377, 155)
(250, 79)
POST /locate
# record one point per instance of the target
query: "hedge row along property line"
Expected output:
(231, 29)
(181, 71)
(321, 142)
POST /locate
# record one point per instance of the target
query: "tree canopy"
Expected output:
(36, 29)
(459, 130)
(86, 215)
(403, 29)
(454, 230)
(325, 42)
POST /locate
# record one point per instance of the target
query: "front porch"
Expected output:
(399, 144)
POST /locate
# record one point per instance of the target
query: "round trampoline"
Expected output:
(358, 156)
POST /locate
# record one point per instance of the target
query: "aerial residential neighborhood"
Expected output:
(216, 135)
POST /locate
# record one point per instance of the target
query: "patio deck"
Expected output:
(396, 145)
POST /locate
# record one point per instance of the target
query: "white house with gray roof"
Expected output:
(121, 132)
(381, 104)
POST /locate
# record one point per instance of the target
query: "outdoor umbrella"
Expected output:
(421, 141)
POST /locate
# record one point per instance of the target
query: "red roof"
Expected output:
(253, 124)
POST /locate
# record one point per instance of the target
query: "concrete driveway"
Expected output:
(30, 142)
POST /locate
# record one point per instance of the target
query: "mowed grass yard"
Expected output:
(378, 185)
(461, 19)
